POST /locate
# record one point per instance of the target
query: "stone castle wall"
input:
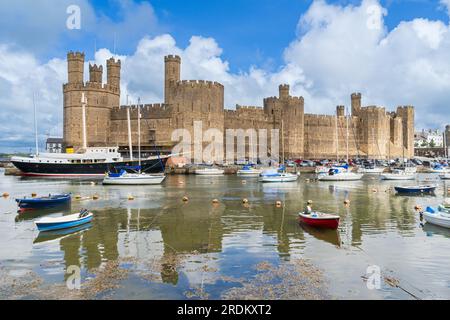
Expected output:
(372, 132)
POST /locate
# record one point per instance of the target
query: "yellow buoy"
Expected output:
(95, 197)
(5, 195)
(244, 200)
(34, 194)
(185, 199)
(346, 201)
(78, 197)
(417, 207)
(278, 203)
(215, 201)
(130, 197)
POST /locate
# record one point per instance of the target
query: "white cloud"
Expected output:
(446, 3)
(337, 50)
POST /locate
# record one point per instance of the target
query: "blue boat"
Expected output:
(44, 202)
(415, 189)
(64, 222)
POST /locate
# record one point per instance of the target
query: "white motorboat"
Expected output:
(133, 178)
(279, 177)
(439, 216)
(249, 171)
(340, 174)
(445, 176)
(209, 172)
(398, 174)
(371, 170)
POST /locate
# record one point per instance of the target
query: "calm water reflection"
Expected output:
(378, 228)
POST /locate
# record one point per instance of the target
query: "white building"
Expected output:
(429, 138)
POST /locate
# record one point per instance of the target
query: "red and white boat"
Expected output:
(320, 220)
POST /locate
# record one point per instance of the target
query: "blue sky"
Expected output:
(324, 49)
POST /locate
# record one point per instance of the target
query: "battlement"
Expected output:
(356, 95)
(373, 109)
(148, 111)
(112, 62)
(199, 84)
(96, 86)
(75, 55)
(254, 108)
(172, 58)
(95, 67)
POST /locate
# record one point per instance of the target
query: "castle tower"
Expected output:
(95, 73)
(75, 67)
(407, 115)
(113, 70)
(284, 91)
(340, 111)
(356, 103)
(172, 74)
(101, 99)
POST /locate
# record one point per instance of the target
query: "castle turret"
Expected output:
(172, 74)
(75, 67)
(95, 73)
(284, 91)
(356, 103)
(113, 67)
(340, 111)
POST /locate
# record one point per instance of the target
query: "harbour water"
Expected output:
(167, 248)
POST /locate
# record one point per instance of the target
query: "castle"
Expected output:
(372, 131)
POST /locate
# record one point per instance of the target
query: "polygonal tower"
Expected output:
(172, 74)
(75, 67)
(356, 103)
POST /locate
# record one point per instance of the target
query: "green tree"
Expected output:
(432, 143)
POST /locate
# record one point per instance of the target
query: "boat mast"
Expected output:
(129, 131)
(282, 140)
(337, 140)
(83, 118)
(139, 132)
(35, 126)
(347, 134)
(444, 135)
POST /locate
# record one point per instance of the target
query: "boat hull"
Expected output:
(438, 218)
(289, 178)
(414, 190)
(48, 225)
(148, 180)
(340, 177)
(371, 171)
(330, 222)
(445, 176)
(398, 176)
(210, 172)
(83, 169)
(249, 173)
(41, 203)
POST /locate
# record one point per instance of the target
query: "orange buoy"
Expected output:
(185, 199)
(278, 203)
(215, 201)
(34, 194)
(417, 207)
(5, 195)
(95, 197)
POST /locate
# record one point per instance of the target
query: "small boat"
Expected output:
(398, 174)
(340, 173)
(445, 176)
(130, 175)
(209, 172)
(371, 170)
(319, 220)
(73, 220)
(439, 216)
(277, 175)
(416, 189)
(249, 171)
(438, 168)
(44, 202)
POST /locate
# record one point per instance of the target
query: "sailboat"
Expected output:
(372, 168)
(280, 174)
(133, 175)
(403, 173)
(341, 173)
